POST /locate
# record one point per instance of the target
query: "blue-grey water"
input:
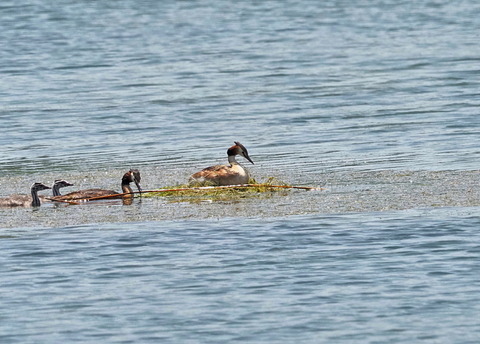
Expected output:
(375, 101)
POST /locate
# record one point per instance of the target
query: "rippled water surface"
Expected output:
(375, 101)
(385, 277)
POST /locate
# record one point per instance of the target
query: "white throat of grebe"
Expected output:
(237, 149)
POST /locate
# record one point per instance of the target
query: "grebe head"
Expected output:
(34, 189)
(132, 176)
(39, 187)
(239, 149)
(60, 183)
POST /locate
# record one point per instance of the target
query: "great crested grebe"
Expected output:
(129, 177)
(232, 174)
(25, 200)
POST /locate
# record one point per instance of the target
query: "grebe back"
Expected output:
(232, 174)
(129, 177)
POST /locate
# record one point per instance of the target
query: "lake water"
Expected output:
(375, 101)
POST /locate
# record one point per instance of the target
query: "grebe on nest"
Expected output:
(232, 174)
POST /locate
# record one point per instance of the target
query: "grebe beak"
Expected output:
(245, 155)
(138, 186)
(136, 179)
(242, 151)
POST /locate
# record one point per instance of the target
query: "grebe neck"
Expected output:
(232, 160)
(35, 198)
(126, 188)
(56, 190)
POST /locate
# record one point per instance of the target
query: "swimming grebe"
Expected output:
(129, 177)
(25, 200)
(232, 174)
(57, 184)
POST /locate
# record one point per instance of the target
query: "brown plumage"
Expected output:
(31, 200)
(129, 177)
(231, 174)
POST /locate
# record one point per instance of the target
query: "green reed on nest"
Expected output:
(231, 192)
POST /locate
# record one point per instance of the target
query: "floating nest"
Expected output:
(206, 192)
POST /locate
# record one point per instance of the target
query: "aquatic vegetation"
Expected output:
(205, 191)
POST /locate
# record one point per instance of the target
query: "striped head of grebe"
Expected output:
(132, 176)
(39, 187)
(58, 184)
(238, 149)
(34, 190)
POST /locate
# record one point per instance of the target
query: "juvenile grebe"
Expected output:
(129, 177)
(25, 200)
(57, 184)
(232, 174)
